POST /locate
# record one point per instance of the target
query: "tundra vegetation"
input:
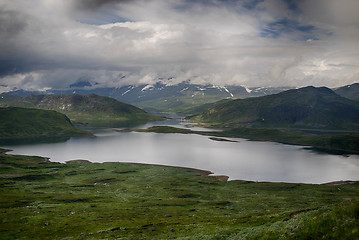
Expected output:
(82, 200)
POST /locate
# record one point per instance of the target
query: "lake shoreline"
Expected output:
(317, 142)
(201, 172)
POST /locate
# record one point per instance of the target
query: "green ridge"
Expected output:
(309, 107)
(91, 108)
(187, 105)
(22, 122)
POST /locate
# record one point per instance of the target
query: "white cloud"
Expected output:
(208, 42)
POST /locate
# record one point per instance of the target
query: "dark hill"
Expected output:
(23, 122)
(89, 107)
(309, 107)
(349, 91)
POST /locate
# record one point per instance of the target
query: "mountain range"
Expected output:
(183, 98)
(160, 97)
(145, 92)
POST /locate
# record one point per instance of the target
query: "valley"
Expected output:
(187, 120)
(120, 183)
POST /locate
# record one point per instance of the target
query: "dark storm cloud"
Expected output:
(53, 43)
(293, 4)
(11, 23)
(15, 66)
(95, 4)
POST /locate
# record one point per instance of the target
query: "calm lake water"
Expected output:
(244, 160)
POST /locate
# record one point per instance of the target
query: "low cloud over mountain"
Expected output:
(52, 43)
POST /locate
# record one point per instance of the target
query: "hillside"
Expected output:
(184, 105)
(349, 91)
(309, 107)
(6, 98)
(83, 200)
(203, 107)
(22, 122)
(88, 108)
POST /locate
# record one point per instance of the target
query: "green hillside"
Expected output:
(186, 105)
(309, 107)
(81, 200)
(22, 122)
(4, 98)
(349, 91)
(90, 108)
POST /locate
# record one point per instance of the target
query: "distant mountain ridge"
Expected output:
(350, 91)
(161, 97)
(143, 92)
(183, 98)
(309, 107)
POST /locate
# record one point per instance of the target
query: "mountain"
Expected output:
(162, 97)
(349, 91)
(23, 122)
(309, 107)
(90, 108)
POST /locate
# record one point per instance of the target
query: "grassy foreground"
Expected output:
(83, 200)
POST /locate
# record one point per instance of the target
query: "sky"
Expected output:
(51, 44)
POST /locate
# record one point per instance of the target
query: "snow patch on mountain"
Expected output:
(228, 91)
(127, 91)
(248, 90)
(147, 87)
(184, 89)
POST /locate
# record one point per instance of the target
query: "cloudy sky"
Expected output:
(54, 43)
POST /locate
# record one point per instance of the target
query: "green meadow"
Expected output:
(82, 200)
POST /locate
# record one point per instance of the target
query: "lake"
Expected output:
(241, 160)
